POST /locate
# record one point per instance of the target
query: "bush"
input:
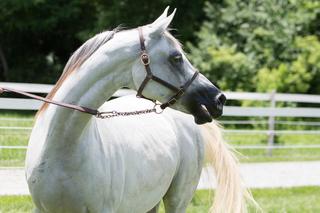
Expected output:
(260, 45)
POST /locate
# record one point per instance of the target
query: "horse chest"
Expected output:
(113, 175)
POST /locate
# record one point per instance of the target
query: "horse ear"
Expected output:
(160, 26)
(162, 16)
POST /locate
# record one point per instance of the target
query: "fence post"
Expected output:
(271, 124)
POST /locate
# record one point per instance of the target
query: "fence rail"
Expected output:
(270, 113)
(29, 104)
(281, 97)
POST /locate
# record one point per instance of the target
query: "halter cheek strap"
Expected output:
(179, 91)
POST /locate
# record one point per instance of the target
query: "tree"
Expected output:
(38, 36)
(3, 65)
(131, 13)
(254, 45)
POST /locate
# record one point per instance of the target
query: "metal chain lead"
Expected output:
(111, 114)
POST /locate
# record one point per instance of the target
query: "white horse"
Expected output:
(79, 163)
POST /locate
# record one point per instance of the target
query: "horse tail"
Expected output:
(230, 195)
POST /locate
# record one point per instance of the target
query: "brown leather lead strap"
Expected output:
(96, 113)
(69, 106)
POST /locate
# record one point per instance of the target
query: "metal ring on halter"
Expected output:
(145, 58)
(157, 108)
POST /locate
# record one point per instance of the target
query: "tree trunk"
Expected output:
(4, 65)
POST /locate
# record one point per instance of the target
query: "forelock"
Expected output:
(173, 40)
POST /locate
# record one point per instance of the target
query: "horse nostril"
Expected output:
(221, 98)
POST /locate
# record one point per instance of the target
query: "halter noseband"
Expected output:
(179, 91)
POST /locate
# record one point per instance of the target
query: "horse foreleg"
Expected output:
(181, 192)
(184, 184)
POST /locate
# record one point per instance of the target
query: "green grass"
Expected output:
(15, 204)
(301, 154)
(279, 200)
(15, 157)
(287, 154)
(16, 137)
(294, 200)
(260, 139)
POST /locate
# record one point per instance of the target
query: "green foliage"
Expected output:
(221, 62)
(256, 45)
(290, 78)
(309, 48)
(131, 13)
(260, 45)
(300, 75)
(38, 36)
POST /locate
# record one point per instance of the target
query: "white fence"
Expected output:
(235, 111)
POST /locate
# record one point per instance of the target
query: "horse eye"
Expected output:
(176, 57)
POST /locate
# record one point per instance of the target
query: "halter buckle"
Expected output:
(145, 59)
(180, 92)
(172, 101)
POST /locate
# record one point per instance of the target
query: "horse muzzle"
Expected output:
(205, 104)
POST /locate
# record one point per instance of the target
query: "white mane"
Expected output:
(79, 57)
(87, 49)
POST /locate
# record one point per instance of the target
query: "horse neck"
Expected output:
(91, 85)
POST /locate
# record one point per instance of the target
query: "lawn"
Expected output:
(279, 200)
(14, 137)
(282, 154)
(19, 137)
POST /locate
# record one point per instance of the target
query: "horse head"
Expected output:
(165, 60)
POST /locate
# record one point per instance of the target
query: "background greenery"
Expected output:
(261, 45)
(251, 45)
(38, 36)
(279, 200)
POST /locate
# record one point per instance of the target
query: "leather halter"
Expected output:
(179, 91)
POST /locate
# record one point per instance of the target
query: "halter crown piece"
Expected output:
(158, 108)
(149, 76)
